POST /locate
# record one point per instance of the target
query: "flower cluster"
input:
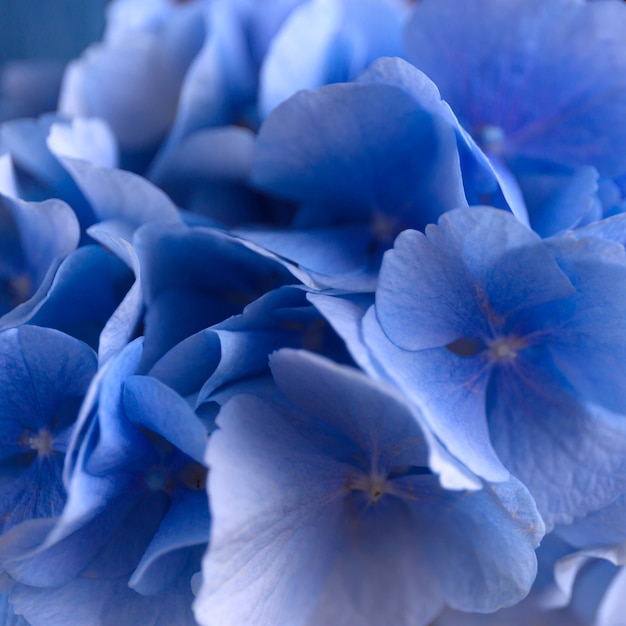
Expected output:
(313, 313)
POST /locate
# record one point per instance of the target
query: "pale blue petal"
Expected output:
(569, 455)
(87, 139)
(594, 332)
(8, 183)
(476, 267)
(120, 195)
(323, 43)
(42, 174)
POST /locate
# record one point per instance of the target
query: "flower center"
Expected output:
(42, 442)
(490, 138)
(504, 349)
(373, 485)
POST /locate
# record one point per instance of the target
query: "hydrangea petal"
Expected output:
(351, 161)
(186, 524)
(340, 39)
(87, 139)
(532, 410)
(481, 176)
(593, 333)
(82, 601)
(150, 403)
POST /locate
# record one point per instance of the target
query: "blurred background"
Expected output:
(37, 38)
(48, 29)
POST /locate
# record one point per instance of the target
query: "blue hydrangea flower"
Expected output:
(514, 348)
(136, 520)
(533, 78)
(539, 85)
(44, 375)
(325, 511)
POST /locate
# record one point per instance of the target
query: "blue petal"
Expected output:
(40, 369)
(483, 178)
(202, 350)
(186, 524)
(207, 173)
(49, 231)
(131, 81)
(85, 291)
(594, 332)
(369, 422)
(38, 492)
(323, 43)
(149, 403)
(602, 527)
(558, 200)
(569, 455)
(8, 183)
(7, 615)
(219, 78)
(122, 324)
(336, 150)
(120, 195)
(346, 315)
(611, 228)
(119, 442)
(86, 139)
(83, 601)
(185, 286)
(43, 176)
(35, 237)
(343, 257)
